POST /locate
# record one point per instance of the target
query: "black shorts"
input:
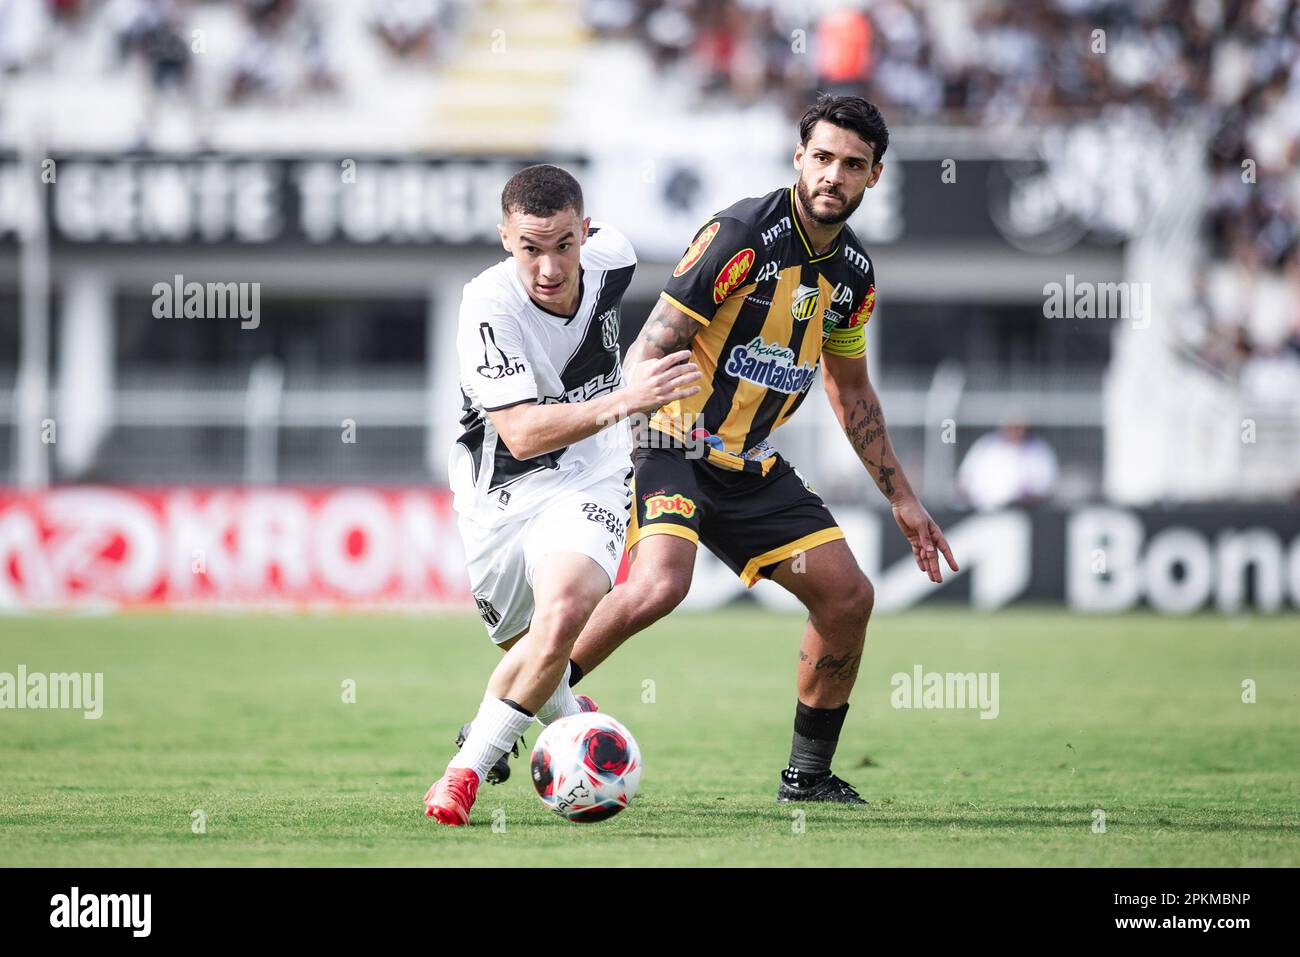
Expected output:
(752, 522)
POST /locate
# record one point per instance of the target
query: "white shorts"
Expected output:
(591, 521)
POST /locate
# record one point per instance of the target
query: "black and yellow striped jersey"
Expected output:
(770, 307)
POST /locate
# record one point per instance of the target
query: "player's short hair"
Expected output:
(541, 190)
(851, 113)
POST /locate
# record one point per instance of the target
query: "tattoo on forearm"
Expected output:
(842, 669)
(865, 427)
(667, 330)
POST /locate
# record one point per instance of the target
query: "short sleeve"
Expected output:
(714, 266)
(848, 338)
(492, 362)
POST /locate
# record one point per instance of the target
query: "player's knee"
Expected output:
(850, 603)
(661, 592)
(558, 623)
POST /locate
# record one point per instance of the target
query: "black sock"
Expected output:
(816, 733)
(518, 707)
(575, 672)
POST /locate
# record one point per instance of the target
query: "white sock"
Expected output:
(561, 703)
(493, 732)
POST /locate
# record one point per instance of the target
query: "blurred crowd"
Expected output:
(1231, 66)
(285, 47)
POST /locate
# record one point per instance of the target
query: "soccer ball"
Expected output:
(586, 767)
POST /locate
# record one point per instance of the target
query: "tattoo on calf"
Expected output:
(842, 669)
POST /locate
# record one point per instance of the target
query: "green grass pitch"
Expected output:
(242, 718)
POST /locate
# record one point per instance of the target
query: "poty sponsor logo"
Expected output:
(932, 689)
(770, 270)
(842, 295)
(696, 249)
(857, 259)
(771, 365)
(732, 274)
(657, 505)
(74, 691)
(213, 300)
(102, 910)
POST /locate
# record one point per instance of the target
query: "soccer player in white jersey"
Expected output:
(541, 491)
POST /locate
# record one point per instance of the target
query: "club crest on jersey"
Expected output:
(864, 311)
(679, 504)
(732, 274)
(771, 365)
(804, 304)
(609, 329)
(696, 249)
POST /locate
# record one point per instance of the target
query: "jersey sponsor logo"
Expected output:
(862, 263)
(771, 365)
(830, 319)
(770, 236)
(758, 300)
(769, 271)
(603, 517)
(804, 304)
(732, 274)
(843, 295)
(609, 329)
(864, 311)
(491, 617)
(596, 385)
(496, 364)
(764, 450)
(679, 504)
(696, 249)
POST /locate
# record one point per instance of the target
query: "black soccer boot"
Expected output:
(499, 772)
(797, 786)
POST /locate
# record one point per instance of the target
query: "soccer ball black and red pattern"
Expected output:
(586, 767)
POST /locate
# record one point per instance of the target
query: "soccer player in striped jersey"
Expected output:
(769, 290)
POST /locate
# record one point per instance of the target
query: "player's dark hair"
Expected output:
(850, 113)
(541, 190)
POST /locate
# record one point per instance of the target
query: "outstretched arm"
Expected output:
(530, 429)
(857, 407)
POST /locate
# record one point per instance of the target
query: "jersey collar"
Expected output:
(807, 246)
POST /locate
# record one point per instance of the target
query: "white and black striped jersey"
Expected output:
(512, 351)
